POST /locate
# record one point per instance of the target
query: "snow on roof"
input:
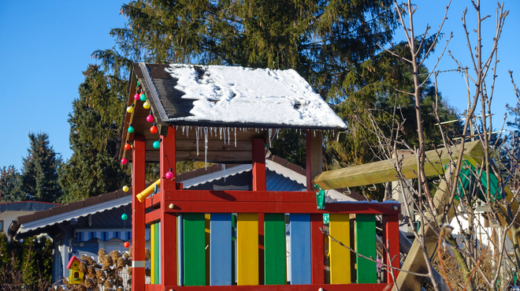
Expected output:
(245, 95)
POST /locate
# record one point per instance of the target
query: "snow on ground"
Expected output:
(237, 94)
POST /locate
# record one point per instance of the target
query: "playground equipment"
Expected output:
(236, 240)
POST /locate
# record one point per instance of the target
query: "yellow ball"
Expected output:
(146, 105)
(125, 188)
(130, 109)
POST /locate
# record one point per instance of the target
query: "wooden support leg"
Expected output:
(138, 217)
(391, 242)
(318, 265)
(259, 184)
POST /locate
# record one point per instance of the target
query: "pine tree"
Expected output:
(39, 179)
(10, 185)
(94, 128)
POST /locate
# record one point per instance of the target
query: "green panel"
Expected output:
(194, 249)
(157, 252)
(274, 253)
(366, 245)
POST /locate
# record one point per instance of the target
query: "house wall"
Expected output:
(8, 216)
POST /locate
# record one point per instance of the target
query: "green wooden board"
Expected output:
(157, 253)
(194, 253)
(366, 245)
(274, 253)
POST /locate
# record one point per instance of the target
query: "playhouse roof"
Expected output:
(69, 265)
(235, 97)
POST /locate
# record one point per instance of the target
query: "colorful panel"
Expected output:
(300, 248)
(247, 249)
(339, 228)
(366, 245)
(194, 244)
(220, 250)
(152, 253)
(274, 249)
(158, 253)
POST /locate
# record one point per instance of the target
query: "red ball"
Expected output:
(153, 129)
(149, 118)
(124, 161)
(126, 244)
(169, 175)
(128, 146)
(136, 96)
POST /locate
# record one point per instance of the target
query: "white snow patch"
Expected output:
(245, 95)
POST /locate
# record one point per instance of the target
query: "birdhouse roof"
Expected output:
(69, 265)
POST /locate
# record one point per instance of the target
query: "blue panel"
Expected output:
(300, 249)
(179, 250)
(220, 249)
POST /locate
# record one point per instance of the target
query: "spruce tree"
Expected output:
(39, 179)
(10, 185)
(94, 128)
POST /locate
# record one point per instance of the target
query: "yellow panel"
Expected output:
(207, 219)
(152, 254)
(247, 249)
(339, 228)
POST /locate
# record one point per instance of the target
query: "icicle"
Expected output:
(220, 131)
(197, 138)
(235, 137)
(314, 133)
(224, 168)
(277, 131)
(176, 127)
(188, 131)
(228, 136)
(183, 130)
(270, 131)
(211, 132)
(224, 130)
(205, 147)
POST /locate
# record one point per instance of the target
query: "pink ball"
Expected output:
(124, 161)
(169, 175)
(149, 118)
(136, 96)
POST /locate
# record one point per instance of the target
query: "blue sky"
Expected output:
(46, 45)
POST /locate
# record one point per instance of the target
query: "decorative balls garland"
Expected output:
(125, 188)
(126, 244)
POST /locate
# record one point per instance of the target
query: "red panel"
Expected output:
(258, 164)
(276, 207)
(154, 287)
(261, 248)
(240, 196)
(391, 240)
(317, 255)
(138, 216)
(152, 203)
(314, 287)
(168, 249)
(153, 216)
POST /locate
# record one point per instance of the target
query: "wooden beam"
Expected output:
(138, 215)
(384, 171)
(314, 156)
(313, 287)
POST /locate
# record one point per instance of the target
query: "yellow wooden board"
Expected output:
(384, 171)
(339, 228)
(247, 249)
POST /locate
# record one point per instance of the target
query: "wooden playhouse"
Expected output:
(220, 240)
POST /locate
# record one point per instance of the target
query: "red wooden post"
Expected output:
(138, 216)
(168, 220)
(317, 255)
(259, 184)
(391, 241)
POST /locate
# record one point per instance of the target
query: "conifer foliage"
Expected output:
(10, 185)
(39, 178)
(94, 128)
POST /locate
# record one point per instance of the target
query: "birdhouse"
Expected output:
(75, 275)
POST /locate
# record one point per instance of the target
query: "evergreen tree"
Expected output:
(39, 179)
(94, 128)
(10, 185)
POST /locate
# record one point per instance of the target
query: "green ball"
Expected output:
(156, 144)
(131, 129)
(124, 216)
(143, 97)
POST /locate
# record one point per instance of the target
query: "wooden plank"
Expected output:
(258, 171)
(157, 253)
(273, 207)
(384, 171)
(168, 249)
(220, 249)
(152, 216)
(152, 253)
(317, 250)
(300, 231)
(180, 277)
(391, 241)
(138, 213)
(240, 196)
(207, 219)
(274, 252)
(247, 249)
(314, 156)
(194, 249)
(338, 287)
(339, 228)
(213, 145)
(366, 271)
(212, 156)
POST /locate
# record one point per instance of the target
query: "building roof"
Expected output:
(27, 206)
(281, 175)
(233, 96)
